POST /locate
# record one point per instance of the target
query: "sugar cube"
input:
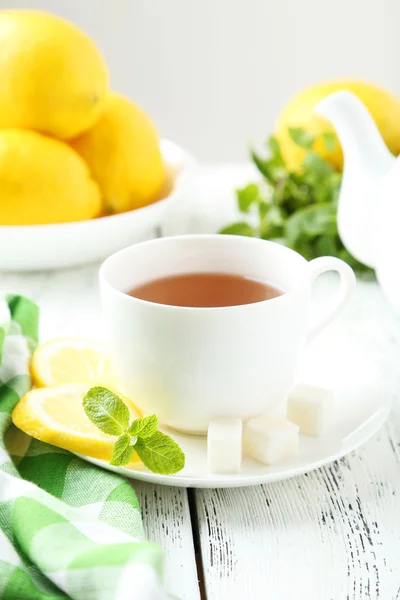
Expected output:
(270, 439)
(310, 407)
(224, 446)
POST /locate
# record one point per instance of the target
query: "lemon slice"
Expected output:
(56, 416)
(69, 360)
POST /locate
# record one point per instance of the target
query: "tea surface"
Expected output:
(205, 290)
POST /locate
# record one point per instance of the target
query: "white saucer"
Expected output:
(362, 405)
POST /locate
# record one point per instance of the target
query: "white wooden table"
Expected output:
(330, 535)
(333, 534)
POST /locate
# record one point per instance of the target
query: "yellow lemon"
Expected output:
(52, 76)
(299, 112)
(42, 180)
(123, 152)
(55, 415)
(66, 360)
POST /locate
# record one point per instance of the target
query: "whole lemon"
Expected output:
(123, 152)
(42, 180)
(52, 76)
(299, 112)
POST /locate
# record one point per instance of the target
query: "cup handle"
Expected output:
(347, 285)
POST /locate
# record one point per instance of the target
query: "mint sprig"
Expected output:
(159, 453)
(297, 208)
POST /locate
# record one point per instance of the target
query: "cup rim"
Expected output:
(204, 309)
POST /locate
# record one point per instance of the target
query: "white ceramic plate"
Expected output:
(35, 247)
(361, 407)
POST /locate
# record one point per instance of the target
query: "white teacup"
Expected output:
(192, 365)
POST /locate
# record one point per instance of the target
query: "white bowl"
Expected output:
(35, 247)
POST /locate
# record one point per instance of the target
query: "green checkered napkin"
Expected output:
(67, 528)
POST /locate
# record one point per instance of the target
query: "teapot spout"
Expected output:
(359, 136)
(366, 161)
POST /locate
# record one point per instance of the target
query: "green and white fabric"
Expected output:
(67, 528)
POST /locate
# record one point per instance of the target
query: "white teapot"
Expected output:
(369, 201)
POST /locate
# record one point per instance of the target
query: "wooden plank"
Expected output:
(332, 534)
(166, 519)
(69, 299)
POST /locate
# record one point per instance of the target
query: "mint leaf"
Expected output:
(275, 148)
(263, 209)
(263, 166)
(275, 216)
(122, 451)
(247, 196)
(160, 453)
(326, 245)
(272, 169)
(240, 228)
(310, 222)
(316, 166)
(330, 141)
(106, 410)
(301, 137)
(144, 428)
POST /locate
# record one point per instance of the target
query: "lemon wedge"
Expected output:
(69, 360)
(55, 415)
